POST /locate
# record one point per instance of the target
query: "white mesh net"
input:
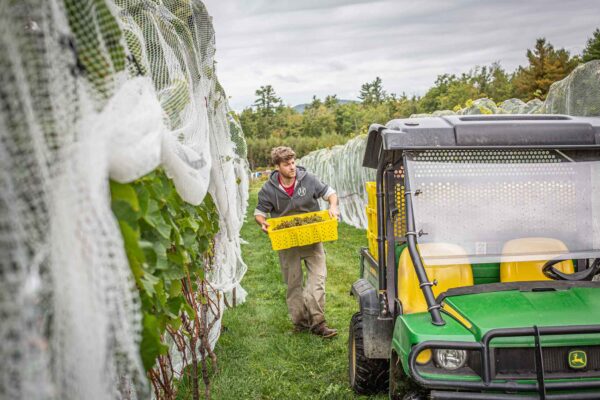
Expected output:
(577, 94)
(93, 89)
(341, 166)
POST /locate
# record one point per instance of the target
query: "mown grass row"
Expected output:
(259, 356)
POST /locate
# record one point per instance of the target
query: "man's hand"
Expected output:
(333, 206)
(262, 221)
(334, 212)
(264, 226)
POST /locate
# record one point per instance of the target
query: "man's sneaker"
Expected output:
(323, 330)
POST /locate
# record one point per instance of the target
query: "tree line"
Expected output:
(327, 122)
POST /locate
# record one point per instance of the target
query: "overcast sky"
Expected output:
(319, 47)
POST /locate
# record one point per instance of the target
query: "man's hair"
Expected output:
(282, 154)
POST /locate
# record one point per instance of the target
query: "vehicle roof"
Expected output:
(482, 132)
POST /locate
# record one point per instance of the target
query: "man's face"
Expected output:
(287, 169)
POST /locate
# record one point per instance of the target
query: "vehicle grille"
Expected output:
(520, 362)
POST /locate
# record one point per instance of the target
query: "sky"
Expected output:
(321, 47)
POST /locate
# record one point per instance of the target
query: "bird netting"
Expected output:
(341, 166)
(577, 94)
(92, 90)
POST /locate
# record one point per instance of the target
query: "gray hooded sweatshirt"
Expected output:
(272, 199)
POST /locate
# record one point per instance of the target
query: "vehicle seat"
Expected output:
(513, 271)
(447, 276)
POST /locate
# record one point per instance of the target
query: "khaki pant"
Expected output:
(306, 303)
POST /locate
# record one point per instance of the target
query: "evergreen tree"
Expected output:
(267, 101)
(263, 122)
(480, 78)
(331, 101)
(405, 107)
(592, 50)
(500, 88)
(372, 92)
(315, 103)
(546, 66)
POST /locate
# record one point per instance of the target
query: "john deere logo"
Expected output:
(577, 359)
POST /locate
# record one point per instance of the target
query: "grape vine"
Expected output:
(169, 244)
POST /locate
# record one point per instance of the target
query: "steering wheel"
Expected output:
(585, 275)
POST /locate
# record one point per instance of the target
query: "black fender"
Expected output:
(377, 331)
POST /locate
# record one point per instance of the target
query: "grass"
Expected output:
(259, 356)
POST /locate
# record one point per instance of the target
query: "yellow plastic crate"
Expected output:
(373, 245)
(371, 188)
(371, 211)
(316, 232)
(372, 220)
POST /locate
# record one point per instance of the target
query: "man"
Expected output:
(291, 190)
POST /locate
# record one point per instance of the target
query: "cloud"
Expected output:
(286, 6)
(338, 66)
(288, 78)
(325, 47)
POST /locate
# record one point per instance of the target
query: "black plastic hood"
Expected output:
(482, 131)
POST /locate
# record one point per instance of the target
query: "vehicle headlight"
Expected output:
(450, 359)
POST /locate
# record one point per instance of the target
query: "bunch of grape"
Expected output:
(299, 222)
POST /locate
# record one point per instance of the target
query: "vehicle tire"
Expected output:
(367, 375)
(401, 387)
(396, 378)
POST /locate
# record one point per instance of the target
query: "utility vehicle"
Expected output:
(488, 240)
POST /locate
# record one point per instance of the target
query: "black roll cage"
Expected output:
(387, 293)
(388, 145)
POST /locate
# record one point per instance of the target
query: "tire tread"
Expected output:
(371, 374)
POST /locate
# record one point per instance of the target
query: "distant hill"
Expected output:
(300, 107)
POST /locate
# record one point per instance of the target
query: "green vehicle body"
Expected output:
(576, 306)
(511, 309)
(536, 317)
